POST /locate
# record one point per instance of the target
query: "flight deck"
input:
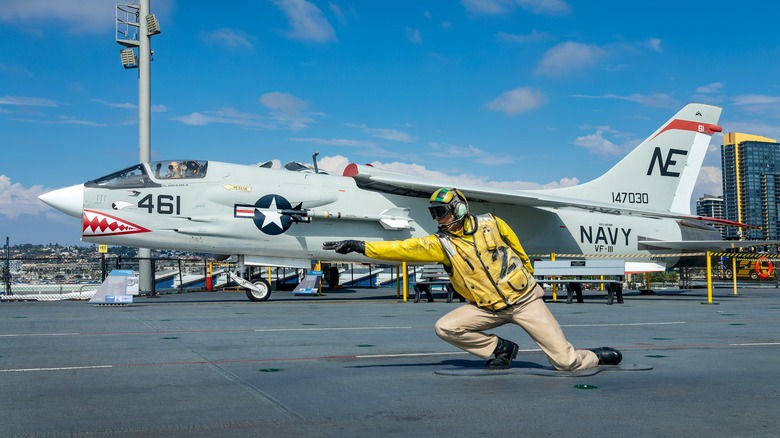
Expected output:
(360, 362)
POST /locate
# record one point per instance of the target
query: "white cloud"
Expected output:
(27, 101)
(131, 106)
(16, 200)
(228, 116)
(286, 112)
(501, 7)
(568, 58)
(771, 130)
(385, 133)
(78, 16)
(710, 181)
(532, 37)
(467, 179)
(71, 120)
(278, 101)
(545, 7)
(334, 165)
(758, 107)
(710, 88)
(287, 109)
(519, 100)
(755, 100)
(452, 151)
(660, 100)
(335, 142)
(653, 44)
(15, 70)
(230, 38)
(488, 7)
(596, 144)
(306, 20)
(413, 35)
(471, 152)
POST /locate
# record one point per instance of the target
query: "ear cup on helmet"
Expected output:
(461, 210)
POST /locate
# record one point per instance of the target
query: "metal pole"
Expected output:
(554, 285)
(405, 269)
(7, 270)
(145, 272)
(709, 278)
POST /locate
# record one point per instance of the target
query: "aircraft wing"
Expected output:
(372, 178)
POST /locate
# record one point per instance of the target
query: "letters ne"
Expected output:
(664, 167)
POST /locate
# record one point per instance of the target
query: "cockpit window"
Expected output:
(137, 176)
(179, 169)
(132, 177)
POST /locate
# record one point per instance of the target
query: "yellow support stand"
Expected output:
(554, 286)
(709, 278)
(404, 268)
(318, 267)
(734, 273)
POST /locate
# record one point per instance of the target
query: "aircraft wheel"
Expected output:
(263, 294)
(729, 274)
(753, 275)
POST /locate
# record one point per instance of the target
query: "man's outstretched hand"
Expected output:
(345, 246)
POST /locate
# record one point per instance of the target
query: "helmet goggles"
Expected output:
(439, 211)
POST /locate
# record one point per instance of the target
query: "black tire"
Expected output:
(753, 275)
(262, 295)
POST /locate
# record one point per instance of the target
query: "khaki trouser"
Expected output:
(463, 328)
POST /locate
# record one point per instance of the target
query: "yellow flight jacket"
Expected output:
(489, 267)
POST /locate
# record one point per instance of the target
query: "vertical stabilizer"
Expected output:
(661, 172)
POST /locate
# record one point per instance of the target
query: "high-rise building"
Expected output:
(751, 185)
(712, 206)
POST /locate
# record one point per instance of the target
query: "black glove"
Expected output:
(346, 246)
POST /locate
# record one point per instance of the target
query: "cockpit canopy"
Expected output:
(138, 175)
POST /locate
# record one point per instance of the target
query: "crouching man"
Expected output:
(490, 269)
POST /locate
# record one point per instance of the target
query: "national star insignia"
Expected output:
(271, 215)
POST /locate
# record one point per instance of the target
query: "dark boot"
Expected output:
(502, 356)
(608, 355)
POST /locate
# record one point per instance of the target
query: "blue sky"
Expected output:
(510, 93)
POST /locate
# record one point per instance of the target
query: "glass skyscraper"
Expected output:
(751, 185)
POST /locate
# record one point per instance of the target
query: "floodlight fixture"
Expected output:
(152, 25)
(129, 60)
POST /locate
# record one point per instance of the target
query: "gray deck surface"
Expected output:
(359, 362)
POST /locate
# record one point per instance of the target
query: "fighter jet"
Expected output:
(639, 209)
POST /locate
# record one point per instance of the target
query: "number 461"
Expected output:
(166, 204)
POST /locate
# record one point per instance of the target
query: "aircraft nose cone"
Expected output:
(68, 200)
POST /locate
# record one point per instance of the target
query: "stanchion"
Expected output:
(404, 267)
(209, 281)
(554, 286)
(709, 278)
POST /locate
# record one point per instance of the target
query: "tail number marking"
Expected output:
(630, 198)
(670, 161)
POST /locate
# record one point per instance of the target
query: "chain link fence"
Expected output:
(84, 274)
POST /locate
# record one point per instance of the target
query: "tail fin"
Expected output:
(661, 172)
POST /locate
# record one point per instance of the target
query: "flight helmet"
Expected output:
(448, 200)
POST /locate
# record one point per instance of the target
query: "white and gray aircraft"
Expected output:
(639, 209)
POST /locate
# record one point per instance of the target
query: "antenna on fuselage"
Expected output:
(314, 161)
